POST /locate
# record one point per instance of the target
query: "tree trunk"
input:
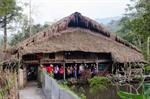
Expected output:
(5, 33)
(148, 46)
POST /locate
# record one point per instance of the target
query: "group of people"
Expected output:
(70, 70)
(56, 72)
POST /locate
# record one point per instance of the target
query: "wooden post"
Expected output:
(97, 66)
(64, 71)
(40, 71)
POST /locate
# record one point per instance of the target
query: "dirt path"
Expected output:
(31, 91)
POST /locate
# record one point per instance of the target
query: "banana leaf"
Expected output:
(126, 95)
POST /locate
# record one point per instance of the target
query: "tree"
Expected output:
(9, 10)
(99, 84)
(24, 30)
(135, 25)
(135, 28)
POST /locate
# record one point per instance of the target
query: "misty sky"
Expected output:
(50, 10)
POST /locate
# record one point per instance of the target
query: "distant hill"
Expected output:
(1, 36)
(106, 21)
(111, 23)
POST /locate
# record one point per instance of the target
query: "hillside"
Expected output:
(111, 23)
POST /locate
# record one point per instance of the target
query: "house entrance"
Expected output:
(32, 72)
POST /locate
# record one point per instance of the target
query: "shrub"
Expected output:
(82, 96)
(98, 83)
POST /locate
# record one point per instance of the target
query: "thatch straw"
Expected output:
(79, 33)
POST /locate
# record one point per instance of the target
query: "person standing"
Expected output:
(68, 72)
(50, 70)
(56, 71)
(81, 69)
(71, 71)
(94, 71)
(75, 71)
(61, 72)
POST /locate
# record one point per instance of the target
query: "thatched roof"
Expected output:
(79, 33)
(4, 56)
(8, 56)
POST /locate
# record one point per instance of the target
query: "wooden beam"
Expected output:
(31, 62)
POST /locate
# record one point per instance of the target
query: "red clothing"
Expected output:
(61, 70)
(49, 69)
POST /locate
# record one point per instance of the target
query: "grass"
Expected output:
(7, 84)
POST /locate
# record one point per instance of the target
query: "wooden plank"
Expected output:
(47, 61)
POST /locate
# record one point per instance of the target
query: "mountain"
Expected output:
(111, 23)
(105, 21)
(1, 36)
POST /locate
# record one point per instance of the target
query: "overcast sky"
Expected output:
(50, 10)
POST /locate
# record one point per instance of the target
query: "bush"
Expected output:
(82, 96)
(99, 84)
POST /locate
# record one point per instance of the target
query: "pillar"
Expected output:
(97, 66)
(20, 78)
(64, 71)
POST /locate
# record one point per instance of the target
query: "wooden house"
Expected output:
(75, 39)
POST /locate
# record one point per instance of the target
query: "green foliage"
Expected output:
(99, 84)
(24, 31)
(135, 25)
(125, 95)
(147, 67)
(9, 10)
(83, 96)
(64, 84)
